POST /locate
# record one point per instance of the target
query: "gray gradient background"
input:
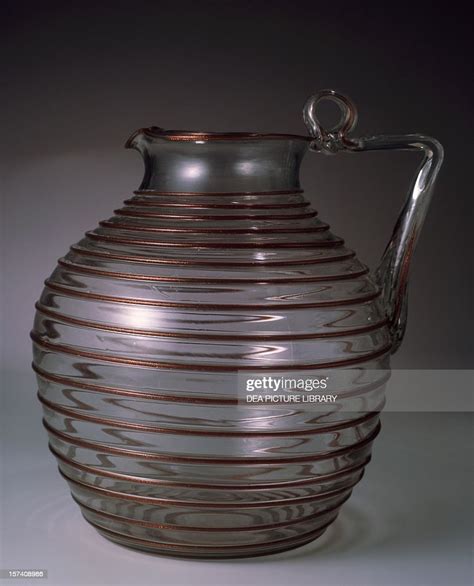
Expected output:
(80, 78)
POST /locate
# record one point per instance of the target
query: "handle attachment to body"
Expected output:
(393, 270)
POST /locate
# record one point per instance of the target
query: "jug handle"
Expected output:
(393, 271)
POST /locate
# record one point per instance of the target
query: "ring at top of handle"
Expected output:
(336, 138)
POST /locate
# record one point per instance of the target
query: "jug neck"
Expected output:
(192, 162)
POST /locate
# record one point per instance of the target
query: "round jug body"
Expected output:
(217, 268)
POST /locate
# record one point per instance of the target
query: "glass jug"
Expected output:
(218, 266)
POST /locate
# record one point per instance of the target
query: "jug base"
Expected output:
(216, 553)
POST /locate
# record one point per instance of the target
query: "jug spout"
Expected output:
(137, 140)
(198, 162)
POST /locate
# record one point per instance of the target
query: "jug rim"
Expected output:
(206, 136)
